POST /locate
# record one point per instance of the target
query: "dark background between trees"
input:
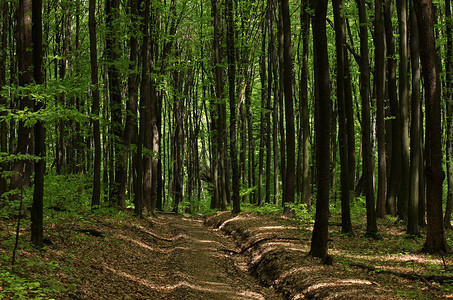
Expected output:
(196, 105)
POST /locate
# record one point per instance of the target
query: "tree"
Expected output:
(39, 131)
(304, 144)
(435, 234)
(449, 100)
(322, 128)
(366, 131)
(404, 109)
(96, 196)
(416, 141)
(340, 29)
(289, 109)
(379, 41)
(23, 168)
(393, 180)
(3, 102)
(233, 105)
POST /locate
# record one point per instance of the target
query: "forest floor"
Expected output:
(248, 256)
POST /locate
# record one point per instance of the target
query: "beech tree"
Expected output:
(322, 125)
(435, 235)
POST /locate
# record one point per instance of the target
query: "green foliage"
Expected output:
(67, 192)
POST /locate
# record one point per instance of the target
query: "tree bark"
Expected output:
(395, 166)
(403, 194)
(435, 233)
(96, 196)
(380, 103)
(39, 130)
(233, 105)
(289, 109)
(449, 100)
(322, 130)
(366, 130)
(416, 142)
(304, 109)
(340, 29)
(22, 168)
(3, 102)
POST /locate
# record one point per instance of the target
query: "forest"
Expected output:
(312, 113)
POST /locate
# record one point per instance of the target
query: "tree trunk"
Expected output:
(22, 169)
(403, 194)
(233, 105)
(380, 103)
(366, 130)
(289, 109)
(394, 178)
(435, 234)
(322, 130)
(340, 29)
(3, 102)
(113, 56)
(304, 110)
(39, 130)
(416, 145)
(96, 196)
(449, 100)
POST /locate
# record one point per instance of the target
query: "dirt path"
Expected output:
(169, 257)
(201, 267)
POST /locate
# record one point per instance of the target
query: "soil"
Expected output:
(247, 256)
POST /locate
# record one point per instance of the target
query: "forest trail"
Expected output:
(169, 257)
(225, 256)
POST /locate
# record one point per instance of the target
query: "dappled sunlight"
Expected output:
(337, 284)
(213, 287)
(236, 218)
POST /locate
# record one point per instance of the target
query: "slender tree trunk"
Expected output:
(340, 29)
(305, 145)
(394, 178)
(449, 100)
(404, 109)
(289, 109)
(3, 102)
(366, 130)
(435, 234)
(233, 105)
(113, 56)
(39, 129)
(380, 103)
(322, 130)
(22, 169)
(416, 145)
(263, 124)
(279, 92)
(96, 196)
(349, 111)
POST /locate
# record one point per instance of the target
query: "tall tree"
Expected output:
(289, 109)
(322, 130)
(393, 180)
(233, 105)
(416, 141)
(435, 234)
(22, 168)
(39, 130)
(379, 41)
(304, 145)
(340, 30)
(404, 108)
(96, 196)
(366, 130)
(3, 58)
(449, 99)
(112, 10)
